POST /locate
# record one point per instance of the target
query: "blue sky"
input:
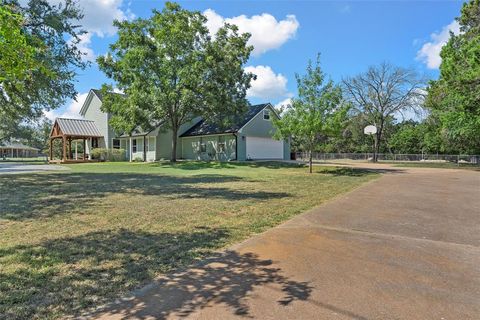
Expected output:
(349, 35)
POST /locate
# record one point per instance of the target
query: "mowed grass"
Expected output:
(74, 240)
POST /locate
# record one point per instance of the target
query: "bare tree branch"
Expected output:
(384, 91)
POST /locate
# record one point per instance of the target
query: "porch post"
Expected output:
(76, 149)
(64, 148)
(51, 149)
(84, 149)
(131, 150)
(69, 148)
(144, 149)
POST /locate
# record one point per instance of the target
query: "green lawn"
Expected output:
(77, 239)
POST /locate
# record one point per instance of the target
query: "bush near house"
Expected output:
(105, 154)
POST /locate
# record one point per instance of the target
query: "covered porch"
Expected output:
(76, 133)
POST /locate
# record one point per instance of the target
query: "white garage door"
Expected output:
(264, 148)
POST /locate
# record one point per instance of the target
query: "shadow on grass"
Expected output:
(68, 276)
(198, 165)
(44, 195)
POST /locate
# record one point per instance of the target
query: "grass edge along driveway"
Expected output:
(74, 240)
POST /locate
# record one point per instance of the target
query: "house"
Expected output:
(16, 149)
(247, 137)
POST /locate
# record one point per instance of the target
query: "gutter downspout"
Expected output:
(131, 150)
(236, 146)
(144, 149)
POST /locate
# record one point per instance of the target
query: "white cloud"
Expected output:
(84, 46)
(99, 15)
(97, 20)
(283, 104)
(266, 32)
(268, 85)
(430, 51)
(71, 111)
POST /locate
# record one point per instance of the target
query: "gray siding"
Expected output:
(242, 147)
(257, 127)
(164, 140)
(94, 113)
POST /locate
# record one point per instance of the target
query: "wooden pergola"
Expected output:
(69, 130)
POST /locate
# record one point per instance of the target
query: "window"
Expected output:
(116, 143)
(266, 115)
(221, 144)
(134, 145)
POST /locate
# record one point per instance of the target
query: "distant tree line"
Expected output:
(411, 114)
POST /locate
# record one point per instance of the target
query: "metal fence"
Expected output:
(461, 158)
(39, 158)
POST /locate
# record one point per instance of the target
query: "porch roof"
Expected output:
(76, 128)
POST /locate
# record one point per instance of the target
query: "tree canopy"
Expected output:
(38, 59)
(316, 114)
(454, 98)
(172, 70)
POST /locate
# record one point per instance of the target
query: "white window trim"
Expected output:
(266, 112)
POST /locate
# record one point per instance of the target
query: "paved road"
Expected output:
(406, 246)
(17, 168)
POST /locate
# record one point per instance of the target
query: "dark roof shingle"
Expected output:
(204, 127)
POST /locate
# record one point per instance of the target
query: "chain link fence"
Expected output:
(439, 158)
(38, 159)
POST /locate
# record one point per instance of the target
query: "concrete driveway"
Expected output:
(17, 168)
(406, 246)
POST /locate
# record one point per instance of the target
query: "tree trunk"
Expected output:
(173, 156)
(310, 162)
(378, 138)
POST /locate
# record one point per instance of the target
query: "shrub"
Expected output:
(104, 154)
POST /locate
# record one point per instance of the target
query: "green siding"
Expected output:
(242, 147)
(257, 127)
(191, 148)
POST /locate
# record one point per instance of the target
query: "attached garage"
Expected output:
(264, 148)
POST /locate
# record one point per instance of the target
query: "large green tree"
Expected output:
(316, 114)
(383, 92)
(38, 59)
(455, 97)
(172, 70)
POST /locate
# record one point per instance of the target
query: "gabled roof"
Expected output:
(138, 132)
(77, 127)
(88, 100)
(204, 127)
(16, 145)
(98, 93)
